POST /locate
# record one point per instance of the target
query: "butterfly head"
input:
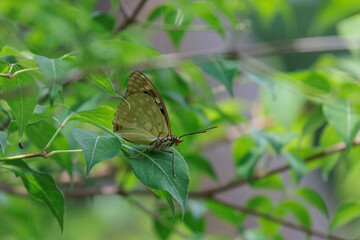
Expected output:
(176, 140)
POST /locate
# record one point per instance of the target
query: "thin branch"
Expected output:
(283, 222)
(132, 18)
(237, 183)
(43, 152)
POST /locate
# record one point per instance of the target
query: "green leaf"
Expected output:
(179, 20)
(101, 117)
(300, 213)
(194, 217)
(262, 203)
(21, 93)
(154, 169)
(314, 199)
(344, 119)
(160, 10)
(246, 155)
(346, 212)
(119, 51)
(103, 82)
(348, 28)
(40, 186)
(54, 72)
(200, 163)
(271, 182)
(314, 121)
(206, 12)
(263, 81)
(2, 141)
(225, 213)
(296, 163)
(277, 141)
(221, 69)
(167, 197)
(40, 133)
(96, 148)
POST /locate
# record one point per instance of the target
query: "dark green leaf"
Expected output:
(296, 163)
(96, 148)
(101, 117)
(54, 72)
(40, 134)
(21, 93)
(344, 119)
(346, 212)
(2, 141)
(221, 69)
(154, 169)
(40, 186)
(314, 199)
(277, 141)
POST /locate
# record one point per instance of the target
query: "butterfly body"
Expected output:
(161, 144)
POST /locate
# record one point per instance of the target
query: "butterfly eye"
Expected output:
(178, 141)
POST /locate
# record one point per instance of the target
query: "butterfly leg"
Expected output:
(173, 169)
(140, 152)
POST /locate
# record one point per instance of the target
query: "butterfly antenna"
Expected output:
(201, 131)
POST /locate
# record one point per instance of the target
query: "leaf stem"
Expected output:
(9, 75)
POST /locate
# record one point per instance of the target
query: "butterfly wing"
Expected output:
(139, 83)
(141, 118)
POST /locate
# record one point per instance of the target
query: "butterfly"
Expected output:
(142, 117)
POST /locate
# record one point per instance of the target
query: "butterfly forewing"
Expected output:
(141, 118)
(139, 83)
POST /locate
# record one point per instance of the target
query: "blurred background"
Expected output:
(286, 60)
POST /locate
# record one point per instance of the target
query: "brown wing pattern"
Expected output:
(139, 83)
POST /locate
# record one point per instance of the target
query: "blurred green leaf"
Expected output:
(103, 82)
(206, 11)
(344, 119)
(225, 213)
(21, 93)
(314, 121)
(345, 212)
(221, 69)
(160, 10)
(40, 186)
(200, 163)
(313, 198)
(178, 19)
(2, 141)
(96, 148)
(40, 133)
(246, 155)
(296, 163)
(300, 213)
(154, 169)
(194, 217)
(263, 81)
(166, 196)
(272, 182)
(54, 72)
(101, 117)
(277, 141)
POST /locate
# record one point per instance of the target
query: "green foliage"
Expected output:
(284, 101)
